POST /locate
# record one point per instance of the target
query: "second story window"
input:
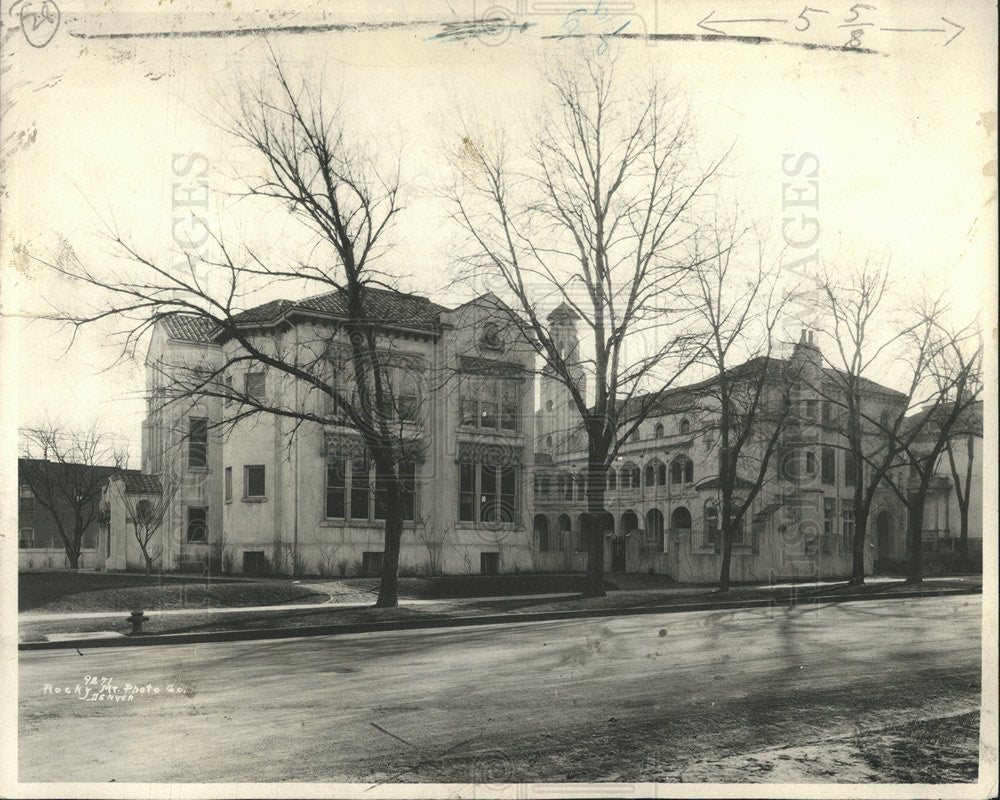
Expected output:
(489, 404)
(253, 481)
(198, 443)
(253, 386)
(25, 499)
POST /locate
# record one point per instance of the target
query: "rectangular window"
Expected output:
(508, 405)
(197, 442)
(253, 481)
(228, 390)
(470, 412)
(26, 538)
(829, 511)
(197, 524)
(810, 465)
(850, 466)
(738, 533)
(253, 385)
(25, 500)
(711, 527)
(488, 415)
(488, 485)
(492, 405)
(826, 412)
(487, 493)
(847, 516)
(811, 409)
(336, 486)
(359, 488)
(228, 484)
(467, 493)
(827, 466)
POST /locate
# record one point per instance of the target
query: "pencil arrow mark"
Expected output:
(931, 30)
(705, 27)
(957, 33)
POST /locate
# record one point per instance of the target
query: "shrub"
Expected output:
(342, 567)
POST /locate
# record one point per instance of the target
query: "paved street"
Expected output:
(665, 697)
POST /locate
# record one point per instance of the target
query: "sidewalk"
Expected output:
(47, 631)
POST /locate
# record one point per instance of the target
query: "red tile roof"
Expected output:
(385, 307)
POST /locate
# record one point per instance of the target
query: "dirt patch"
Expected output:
(939, 750)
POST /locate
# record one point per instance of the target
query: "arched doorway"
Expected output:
(654, 529)
(680, 520)
(563, 529)
(542, 532)
(883, 538)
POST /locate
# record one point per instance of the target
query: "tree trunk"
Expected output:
(727, 558)
(963, 536)
(858, 543)
(388, 590)
(149, 565)
(915, 568)
(593, 585)
(74, 558)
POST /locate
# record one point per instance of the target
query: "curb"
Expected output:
(251, 634)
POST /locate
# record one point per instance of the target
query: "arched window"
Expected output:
(661, 474)
(650, 479)
(658, 431)
(546, 486)
(681, 470)
(630, 522)
(685, 426)
(548, 440)
(630, 476)
(680, 520)
(612, 480)
(566, 483)
(581, 486)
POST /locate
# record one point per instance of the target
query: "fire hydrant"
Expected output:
(137, 618)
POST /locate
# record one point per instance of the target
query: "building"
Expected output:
(261, 492)
(963, 468)
(662, 493)
(50, 495)
(129, 495)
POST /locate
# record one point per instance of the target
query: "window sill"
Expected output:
(488, 526)
(368, 523)
(254, 499)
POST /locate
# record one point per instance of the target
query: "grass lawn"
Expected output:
(100, 591)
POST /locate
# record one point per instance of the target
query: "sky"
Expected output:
(99, 123)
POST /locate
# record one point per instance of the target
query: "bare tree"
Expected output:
(970, 430)
(953, 381)
(66, 471)
(590, 217)
(735, 312)
(866, 335)
(311, 167)
(148, 510)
